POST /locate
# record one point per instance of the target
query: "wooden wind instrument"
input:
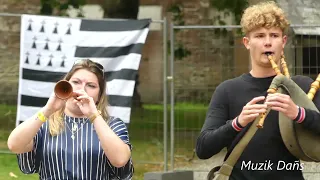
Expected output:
(284, 66)
(273, 63)
(264, 115)
(313, 89)
(269, 91)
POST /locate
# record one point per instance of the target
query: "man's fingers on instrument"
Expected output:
(285, 100)
(254, 111)
(256, 106)
(255, 100)
(278, 104)
(259, 106)
(279, 109)
(278, 96)
(253, 116)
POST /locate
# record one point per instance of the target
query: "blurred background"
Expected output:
(192, 46)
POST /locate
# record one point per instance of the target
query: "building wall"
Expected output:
(203, 68)
(10, 46)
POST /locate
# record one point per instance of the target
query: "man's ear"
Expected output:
(284, 41)
(246, 42)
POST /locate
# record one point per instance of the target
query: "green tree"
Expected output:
(177, 17)
(56, 7)
(120, 9)
(234, 6)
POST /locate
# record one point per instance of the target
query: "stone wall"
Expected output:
(195, 76)
(10, 46)
(210, 61)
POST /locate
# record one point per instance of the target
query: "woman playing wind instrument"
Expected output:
(238, 101)
(75, 138)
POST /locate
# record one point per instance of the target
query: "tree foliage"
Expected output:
(234, 6)
(177, 17)
(229, 7)
(58, 7)
(121, 9)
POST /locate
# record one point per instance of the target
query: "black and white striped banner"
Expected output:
(50, 45)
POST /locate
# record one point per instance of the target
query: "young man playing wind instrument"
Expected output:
(239, 101)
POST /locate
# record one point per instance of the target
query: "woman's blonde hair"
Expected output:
(264, 14)
(56, 121)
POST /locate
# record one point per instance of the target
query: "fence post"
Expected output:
(172, 95)
(165, 119)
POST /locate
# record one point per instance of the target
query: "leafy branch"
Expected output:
(56, 7)
(235, 7)
(180, 51)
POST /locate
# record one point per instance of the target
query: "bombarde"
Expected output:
(63, 89)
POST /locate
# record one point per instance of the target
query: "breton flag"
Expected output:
(50, 45)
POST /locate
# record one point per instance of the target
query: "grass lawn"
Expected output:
(146, 136)
(9, 165)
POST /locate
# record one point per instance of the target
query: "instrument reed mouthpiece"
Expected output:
(268, 53)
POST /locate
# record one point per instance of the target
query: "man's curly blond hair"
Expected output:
(265, 14)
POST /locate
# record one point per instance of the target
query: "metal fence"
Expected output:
(148, 126)
(201, 57)
(212, 55)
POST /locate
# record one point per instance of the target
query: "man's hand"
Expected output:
(282, 103)
(251, 111)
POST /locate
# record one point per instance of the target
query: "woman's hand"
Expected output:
(85, 103)
(53, 104)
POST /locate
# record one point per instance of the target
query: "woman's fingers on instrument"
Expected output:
(82, 97)
(80, 92)
(79, 104)
(76, 95)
